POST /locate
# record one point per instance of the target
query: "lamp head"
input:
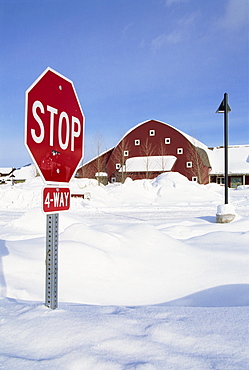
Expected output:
(222, 107)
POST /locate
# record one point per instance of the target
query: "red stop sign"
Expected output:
(54, 127)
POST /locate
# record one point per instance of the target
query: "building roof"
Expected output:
(151, 163)
(193, 141)
(94, 158)
(211, 157)
(238, 159)
(5, 170)
(23, 173)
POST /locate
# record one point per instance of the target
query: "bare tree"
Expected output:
(198, 162)
(120, 155)
(99, 162)
(163, 153)
(147, 150)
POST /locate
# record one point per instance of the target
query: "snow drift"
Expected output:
(147, 278)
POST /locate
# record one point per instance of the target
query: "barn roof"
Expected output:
(212, 157)
(193, 141)
(102, 153)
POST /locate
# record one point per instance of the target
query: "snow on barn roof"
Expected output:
(152, 163)
(238, 159)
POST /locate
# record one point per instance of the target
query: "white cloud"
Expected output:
(183, 28)
(236, 15)
(189, 19)
(172, 2)
(127, 28)
(172, 38)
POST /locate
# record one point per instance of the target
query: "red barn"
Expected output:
(148, 149)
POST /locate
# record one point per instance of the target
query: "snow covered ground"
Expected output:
(147, 278)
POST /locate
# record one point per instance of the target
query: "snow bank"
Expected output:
(117, 338)
(121, 264)
(107, 260)
(147, 278)
(168, 188)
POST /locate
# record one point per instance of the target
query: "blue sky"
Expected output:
(130, 61)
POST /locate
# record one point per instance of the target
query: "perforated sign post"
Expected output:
(51, 296)
(54, 131)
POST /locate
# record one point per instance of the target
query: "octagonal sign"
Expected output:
(54, 127)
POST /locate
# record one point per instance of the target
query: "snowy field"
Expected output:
(147, 278)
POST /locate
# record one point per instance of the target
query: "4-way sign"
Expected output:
(56, 199)
(54, 127)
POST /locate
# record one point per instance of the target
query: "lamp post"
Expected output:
(225, 213)
(224, 108)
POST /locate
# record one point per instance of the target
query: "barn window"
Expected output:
(167, 140)
(152, 132)
(118, 165)
(137, 142)
(126, 153)
(179, 151)
(113, 179)
(195, 178)
(188, 164)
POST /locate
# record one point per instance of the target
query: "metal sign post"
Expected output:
(51, 298)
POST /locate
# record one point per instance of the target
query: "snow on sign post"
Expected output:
(54, 132)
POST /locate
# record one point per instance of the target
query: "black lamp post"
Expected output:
(224, 108)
